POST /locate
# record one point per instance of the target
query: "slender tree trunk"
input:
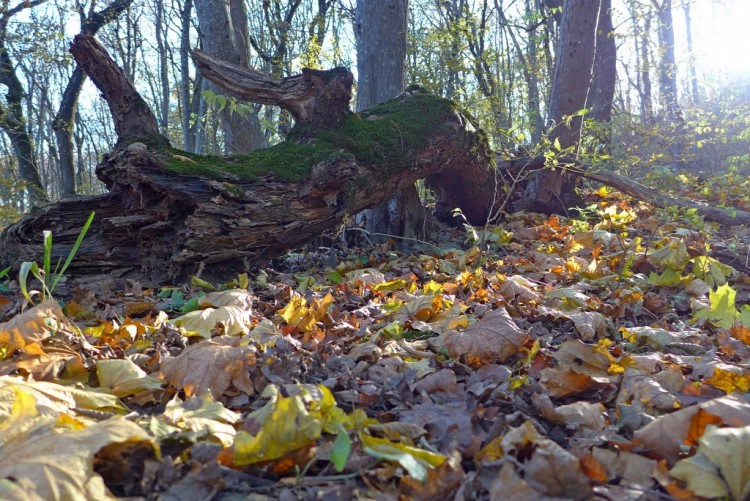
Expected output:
(605, 66)
(381, 59)
(224, 34)
(188, 131)
(646, 94)
(66, 114)
(691, 54)
(161, 48)
(13, 123)
(668, 81)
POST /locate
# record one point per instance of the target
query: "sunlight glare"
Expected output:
(720, 39)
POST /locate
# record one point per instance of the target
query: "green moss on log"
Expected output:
(387, 137)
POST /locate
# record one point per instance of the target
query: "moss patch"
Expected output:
(390, 135)
(387, 137)
(288, 161)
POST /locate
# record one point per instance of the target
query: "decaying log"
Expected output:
(170, 214)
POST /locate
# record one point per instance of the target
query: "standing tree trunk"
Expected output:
(553, 191)
(161, 48)
(605, 66)
(668, 81)
(691, 54)
(643, 53)
(12, 119)
(188, 129)
(381, 59)
(224, 35)
(66, 114)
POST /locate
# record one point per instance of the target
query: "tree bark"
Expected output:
(12, 119)
(132, 117)
(605, 67)
(668, 81)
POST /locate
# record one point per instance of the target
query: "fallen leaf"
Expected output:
(52, 465)
(225, 320)
(720, 466)
(666, 435)
(494, 338)
(417, 462)
(124, 378)
(32, 326)
(211, 366)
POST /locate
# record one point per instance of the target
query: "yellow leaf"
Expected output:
(48, 464)
(182, 158)
(415, 461)
(297, 314)
(228, 320)
(729, 380)
(720, 467)
(393, 285)
(124, 378)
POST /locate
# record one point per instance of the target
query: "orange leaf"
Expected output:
(698, 424)
(593, 469)
(741, 332)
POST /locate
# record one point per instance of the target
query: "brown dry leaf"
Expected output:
(643, 388)
(441, 482)
(550, 469)
(51, 464)
(590, 324)
(583, 358)
(509, 486)
(450, 425)
(494, 338)
(211, 365)
(518, 288)
(564, 383)
(667, 434)
(624, 465)
(443, 380)
(584, 414)
(32, 326)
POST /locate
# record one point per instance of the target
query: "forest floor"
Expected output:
(603, 357)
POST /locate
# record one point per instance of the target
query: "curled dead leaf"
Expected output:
(494, 338)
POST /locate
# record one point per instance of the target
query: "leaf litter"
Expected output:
(599, 358)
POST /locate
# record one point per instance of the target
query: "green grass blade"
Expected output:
(47, 252)
(22, 276)
(73, 251)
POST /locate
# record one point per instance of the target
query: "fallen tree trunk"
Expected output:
(170, 214)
